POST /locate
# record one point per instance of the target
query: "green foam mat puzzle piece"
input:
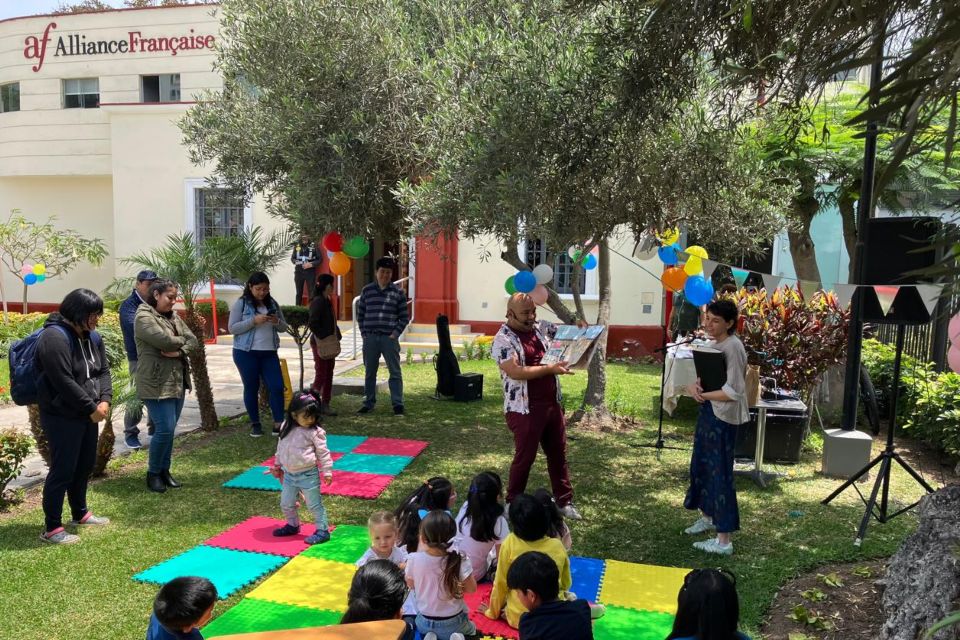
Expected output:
(347, 543)
(620, 623)
(254, 478)
(250, 615)
(344, 444)
(372, 463)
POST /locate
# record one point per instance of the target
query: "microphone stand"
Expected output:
(660, 443)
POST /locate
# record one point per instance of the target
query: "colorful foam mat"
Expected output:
(227, 569)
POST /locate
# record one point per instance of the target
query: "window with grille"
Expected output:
(536, 252)
(81, 93)
(163, 88)
(10, 97)
(218, 212)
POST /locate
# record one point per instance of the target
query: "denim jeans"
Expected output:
(375, 345)
(254, 366)
(443, 628)
(309, 482)
(166, 414)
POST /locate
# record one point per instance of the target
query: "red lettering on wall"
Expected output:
(37, 48)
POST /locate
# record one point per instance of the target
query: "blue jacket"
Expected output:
(243, 328)
(128, 309)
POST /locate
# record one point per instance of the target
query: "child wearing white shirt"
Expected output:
(481, 525)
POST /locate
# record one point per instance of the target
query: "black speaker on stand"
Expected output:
(895, 249)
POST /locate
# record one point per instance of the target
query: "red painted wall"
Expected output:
(623, 341)
(436, 279)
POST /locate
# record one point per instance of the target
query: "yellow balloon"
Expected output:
(669, 237)
(693, 266)
(698, 251)
(39, 269)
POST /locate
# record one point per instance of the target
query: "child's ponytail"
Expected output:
(432, 494)
(438, 530)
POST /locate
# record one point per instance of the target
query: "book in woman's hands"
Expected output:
(711, 367)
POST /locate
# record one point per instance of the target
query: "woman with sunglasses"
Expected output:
(707, 607)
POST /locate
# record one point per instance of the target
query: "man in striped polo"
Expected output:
(382, 316)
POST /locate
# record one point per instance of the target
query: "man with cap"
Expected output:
(305, 259)
(131, 433)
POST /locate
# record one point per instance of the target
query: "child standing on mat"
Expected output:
(182, 606)
(481, 527)
(534, 580)
(301, 448)
(440, 575)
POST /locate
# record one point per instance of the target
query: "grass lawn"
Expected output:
(632, 504)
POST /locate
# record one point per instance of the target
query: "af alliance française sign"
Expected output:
(77, 44)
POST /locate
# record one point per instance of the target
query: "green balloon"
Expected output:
(509, 286)
(356, 247)
(41, 277)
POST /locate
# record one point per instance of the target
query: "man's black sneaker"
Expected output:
(256, 431)
(365, 409)
(398, 410)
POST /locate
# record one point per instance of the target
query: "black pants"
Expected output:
(73, 450)
(304, 277)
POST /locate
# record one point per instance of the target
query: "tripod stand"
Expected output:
(660, 443)
(886, 459)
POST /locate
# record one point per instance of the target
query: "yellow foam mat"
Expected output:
(641, 586)
(309, 582)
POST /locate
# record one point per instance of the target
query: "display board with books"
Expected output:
(573, 345)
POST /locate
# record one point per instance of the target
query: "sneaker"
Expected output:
(286, 530)
(399, 411)
(597, 611)
(702, 525)
(457, 636)
(256, 431)
(712, 546)
(91, 519)
(133, 443)
(570, 512)
(59, 536)
(319, 537)
(276, 431)
(364, 409)
(430, 635)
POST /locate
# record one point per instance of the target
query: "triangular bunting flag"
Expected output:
(740, 276)
(709, 266)
(770, 283)
(930, 294)
(844, 293)
(808, 288)
(886, 294)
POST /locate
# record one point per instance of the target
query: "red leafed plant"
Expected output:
(793, 340)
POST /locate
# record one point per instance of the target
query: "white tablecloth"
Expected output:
(679, 372)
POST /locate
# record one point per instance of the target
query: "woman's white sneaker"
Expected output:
(713, 546)
(702, 525)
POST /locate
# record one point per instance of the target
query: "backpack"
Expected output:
(25, 374)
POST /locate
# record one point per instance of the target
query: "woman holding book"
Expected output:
(722, 409)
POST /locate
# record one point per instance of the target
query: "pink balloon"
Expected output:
(953, 330)
(539, 294)
(953, 358)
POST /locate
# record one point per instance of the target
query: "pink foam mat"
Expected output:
(356, 485)
(485, 625)
(392, 447)
(269, 462)
(256, 534)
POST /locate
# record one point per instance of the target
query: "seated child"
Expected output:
(707, 607)
(434, 494)
(535, 580)
(558, 527)
(377, 593)
(440, 575)
(382, 526)
(481, 527)
(530, 524)
(301, 448)
(182, 606)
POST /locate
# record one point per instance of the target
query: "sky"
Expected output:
(17, 8)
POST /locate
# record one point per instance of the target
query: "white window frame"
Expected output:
(591, 281)
(190, 186)
(163, 79)
(64, 93)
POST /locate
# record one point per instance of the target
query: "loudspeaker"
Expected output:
(895, 247)
(467, 387)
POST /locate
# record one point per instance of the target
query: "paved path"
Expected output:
(227, 392)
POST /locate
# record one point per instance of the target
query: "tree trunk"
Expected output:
(201, 376)
(848, 217)
(300, 349)
(39, 437)
(802, 249)
(105, 444)
(594, 398)
(24, 298)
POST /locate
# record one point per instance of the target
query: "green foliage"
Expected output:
(814, 595)
(17, 326)
(950, 620)
(14, 448)
(809, 617)
(832, 579)
(800, 339)
(928, 406)
(297, 318)
(469, 350)
(409, 358)
(203, 308)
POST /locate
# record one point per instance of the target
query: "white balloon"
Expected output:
(543, 273)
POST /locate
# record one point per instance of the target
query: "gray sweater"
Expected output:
(733, 411)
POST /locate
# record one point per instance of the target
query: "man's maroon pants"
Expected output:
(544, 426)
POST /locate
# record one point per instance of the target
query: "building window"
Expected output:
(10, 97)
(218, 212)
(81, 93)
(162, 88)
(536, 252)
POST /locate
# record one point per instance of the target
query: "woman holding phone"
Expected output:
(256, 322)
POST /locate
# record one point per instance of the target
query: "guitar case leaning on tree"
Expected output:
(445, 362)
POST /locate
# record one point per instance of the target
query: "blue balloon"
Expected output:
(30, 278)
(698, 290)
(590, 262)
(668, 255)
(525, 281)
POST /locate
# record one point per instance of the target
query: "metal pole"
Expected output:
(864, 213)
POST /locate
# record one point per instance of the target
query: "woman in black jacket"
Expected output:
(323, 323)
(75, 391)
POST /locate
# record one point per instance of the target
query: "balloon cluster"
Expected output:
(687, 276)
(531, 282)
(340, 252)
(33, 273)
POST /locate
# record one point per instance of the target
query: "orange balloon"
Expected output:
(673, 278)
(340, 264)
